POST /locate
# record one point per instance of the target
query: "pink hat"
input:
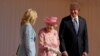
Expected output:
(50, 20)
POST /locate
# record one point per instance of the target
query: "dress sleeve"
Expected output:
(27, 39)
(58, 41)
(41, 40)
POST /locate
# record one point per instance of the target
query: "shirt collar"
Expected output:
(77, 19)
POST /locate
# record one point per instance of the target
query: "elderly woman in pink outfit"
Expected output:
(48, 40)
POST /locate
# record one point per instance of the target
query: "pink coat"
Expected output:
(47, 39)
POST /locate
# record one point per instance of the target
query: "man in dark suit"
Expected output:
(73, 34)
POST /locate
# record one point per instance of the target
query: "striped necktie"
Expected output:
(76, 25)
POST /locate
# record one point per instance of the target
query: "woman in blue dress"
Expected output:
(27, 43)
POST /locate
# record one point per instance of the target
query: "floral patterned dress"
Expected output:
(47, 39)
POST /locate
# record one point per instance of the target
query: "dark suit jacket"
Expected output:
(74, 44)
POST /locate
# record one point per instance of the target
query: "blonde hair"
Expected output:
(29, 16)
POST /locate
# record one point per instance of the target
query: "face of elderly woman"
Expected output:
(49, 27)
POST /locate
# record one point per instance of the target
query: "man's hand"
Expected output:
(64, 53)
(84, 54)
